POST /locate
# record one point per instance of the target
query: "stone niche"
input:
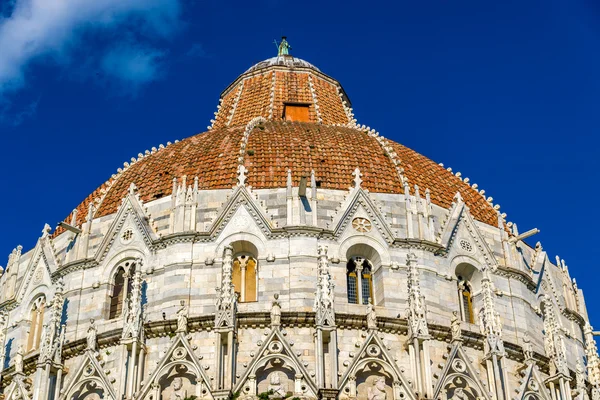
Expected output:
(374, 384)
(278, 378)
(178, 385)
(459, 388)
(89, 391)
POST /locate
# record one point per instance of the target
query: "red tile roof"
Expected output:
(273, 147)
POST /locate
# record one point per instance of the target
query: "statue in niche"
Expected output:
(91, 336)
(182, 318)
(377, 391)
(179, 393)
(455, 326)
(276, 312)
(276, 386)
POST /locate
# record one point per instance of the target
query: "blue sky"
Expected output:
(507, 93)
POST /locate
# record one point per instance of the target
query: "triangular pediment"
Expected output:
(458, 373)
(39, 269)
(467, 240)
(253, 214)
(276, 358)
(533, 386)
(179, 361)
(359, 204)
(130, 216)
(18, 389)
(373, 360)
(88, 376)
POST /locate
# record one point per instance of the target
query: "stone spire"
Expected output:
(417, 311)
(490, 324)
(226, 298)
(593, 362)
(52, 331)
(553, 341)
(132, 315)
(324, 302)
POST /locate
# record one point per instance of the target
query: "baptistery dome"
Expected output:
(289, 252)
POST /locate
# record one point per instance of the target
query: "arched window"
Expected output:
(359, 280)
(37, 323)
(465, 300)
(244, 278)
(121, 289)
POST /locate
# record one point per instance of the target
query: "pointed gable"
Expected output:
(130, 217)
(532, 386)
(179, 362)
(275, 361)
(359, 204)
(459, 374)
(88, 374)
(372, 362)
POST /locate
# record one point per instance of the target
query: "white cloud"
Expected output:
(37, 28)
(133, 64)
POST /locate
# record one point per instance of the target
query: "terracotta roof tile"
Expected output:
(276, 146)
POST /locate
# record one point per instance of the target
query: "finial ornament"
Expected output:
(242, 175)
(357, 178)
(283, 47)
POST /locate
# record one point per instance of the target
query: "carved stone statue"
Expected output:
(19, 360)
(276, 312)
(91, 336)
(527, 348)
(179, 393)
(377, 391)
(371, 317)
(459, 394)
(182, 317)
(276, 386)
(455, 327)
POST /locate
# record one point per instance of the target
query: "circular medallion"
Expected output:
(127, 235)
(373, 350)
(179, 353)
(275, 347)
(241, 222)
(362, 224)
(466, 245)
(459, 365)
(37, 277)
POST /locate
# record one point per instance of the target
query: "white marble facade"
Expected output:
(180, 328)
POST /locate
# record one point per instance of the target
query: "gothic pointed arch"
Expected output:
(370, 368)
(276, 367)
(178, 371)
(88, 378)
(459, 376)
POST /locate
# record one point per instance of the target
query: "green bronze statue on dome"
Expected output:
(283, 48)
